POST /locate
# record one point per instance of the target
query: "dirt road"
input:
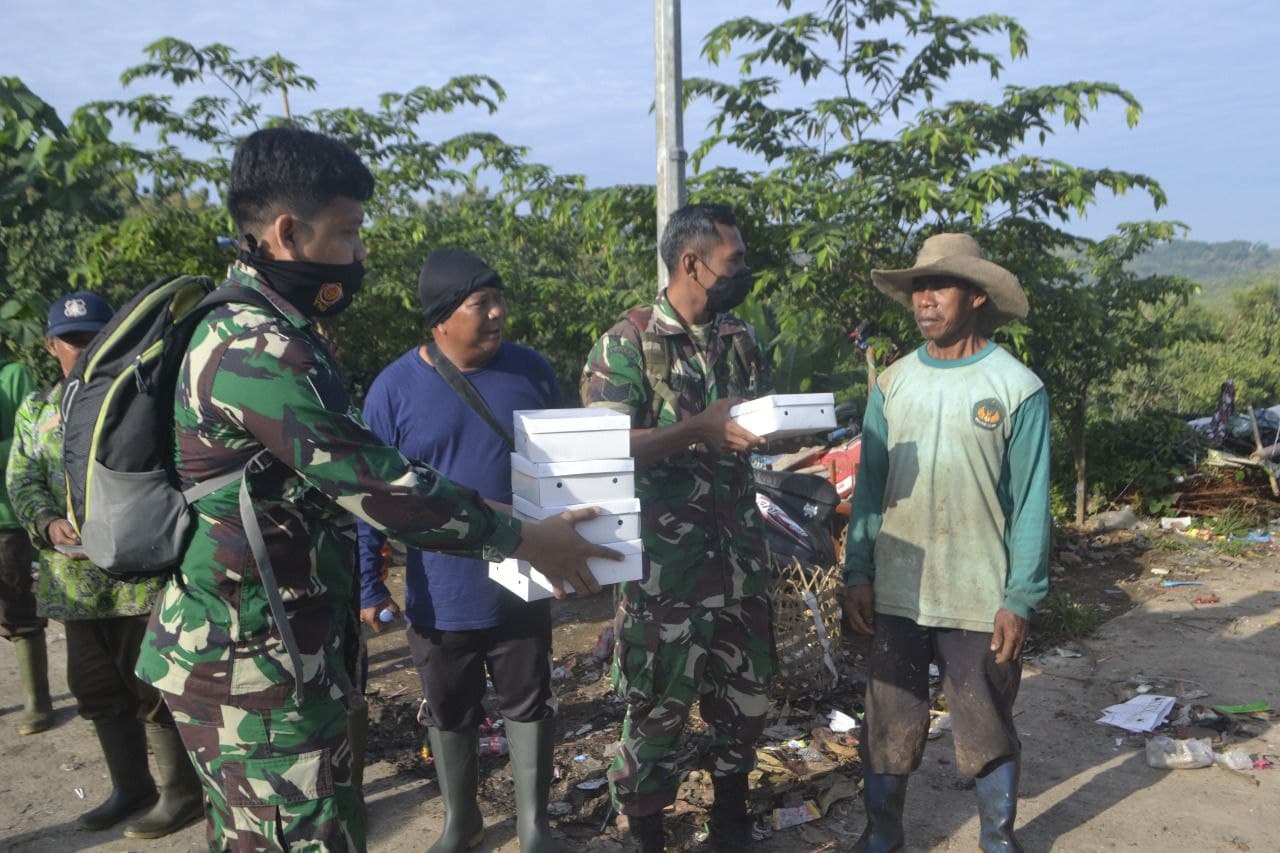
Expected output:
(1083, 789)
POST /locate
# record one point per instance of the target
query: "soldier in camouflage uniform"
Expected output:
(272, 744)
(104, 618)
(697, 626)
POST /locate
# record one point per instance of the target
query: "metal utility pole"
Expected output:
(669, 110)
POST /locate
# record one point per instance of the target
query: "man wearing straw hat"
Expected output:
(948, 544)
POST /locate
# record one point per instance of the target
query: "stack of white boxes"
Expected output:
(569, 459)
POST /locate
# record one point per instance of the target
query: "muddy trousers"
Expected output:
(670, 655)
(274, 779)
(980, 695)
(101, 656)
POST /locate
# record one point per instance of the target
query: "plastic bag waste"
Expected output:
(1165, 753)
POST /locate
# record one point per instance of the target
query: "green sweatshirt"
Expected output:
(15, 384)
(950, 516)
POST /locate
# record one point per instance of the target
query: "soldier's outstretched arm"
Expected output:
(275, 386)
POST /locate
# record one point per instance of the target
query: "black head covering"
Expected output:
(448, 277)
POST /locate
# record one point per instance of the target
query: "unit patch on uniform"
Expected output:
(988, 413)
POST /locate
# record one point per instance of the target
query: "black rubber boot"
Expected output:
(647, 831)
(885, 796)
(532, 750)
(358, 738)
(33, 672)
(181, 800)
(730, 824)
(124, 745)
(998, 807)
(458, 771)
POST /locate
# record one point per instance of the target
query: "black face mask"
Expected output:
(315, 289)
(728, 291)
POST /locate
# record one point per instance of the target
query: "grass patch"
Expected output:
(1066, 618)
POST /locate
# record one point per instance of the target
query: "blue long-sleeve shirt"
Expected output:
(950, 517)
(411, 407)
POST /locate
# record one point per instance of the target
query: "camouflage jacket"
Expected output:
(703, 540)
(256, 379)
(67, 589)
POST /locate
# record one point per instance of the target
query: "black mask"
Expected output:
(315, 289)
(728, 291)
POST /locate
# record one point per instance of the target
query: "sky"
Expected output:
(579, 78)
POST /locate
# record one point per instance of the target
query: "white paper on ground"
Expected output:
(1140, 714)
(841, 722)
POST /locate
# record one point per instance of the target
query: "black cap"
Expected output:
(78, 312)
(448, 277)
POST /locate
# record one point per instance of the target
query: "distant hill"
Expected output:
(1220, 268)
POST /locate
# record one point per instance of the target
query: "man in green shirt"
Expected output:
(948, 544)
(19, 623)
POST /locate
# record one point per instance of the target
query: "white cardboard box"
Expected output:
(562, 484)
(782, 415)
(529, 584)
(618, 520)
(572, 435)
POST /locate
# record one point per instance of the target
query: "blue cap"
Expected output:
(78, 312)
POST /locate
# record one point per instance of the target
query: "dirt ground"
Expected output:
(1085, 787)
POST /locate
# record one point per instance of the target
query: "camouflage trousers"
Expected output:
(274, 779)
(669, 655)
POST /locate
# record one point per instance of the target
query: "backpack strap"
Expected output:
(657, 362)
(248, 517)
(463, 388)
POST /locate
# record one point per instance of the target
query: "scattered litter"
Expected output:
(1251, 708)
(559, 809)
(580, 758)
(934, 672)
(79, 792)
(1182, 583)
(1119, 519)
(593, 784)
(1165, 753)
(559, 674)
(583, 730)
(842, 722)
(1211, 598)
(939, 722)
(1255, 536)
(796, 744)
(1236, 759)
(1180, 523)
(1067, 653)
(1139, 714)
(780, 732)
(1262, 764)
(1144, 688)
(795, 815)
(398, 693)
(1159, 571)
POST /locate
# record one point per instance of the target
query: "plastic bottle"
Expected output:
(493, 745)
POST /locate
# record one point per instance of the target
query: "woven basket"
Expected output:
(805, 662)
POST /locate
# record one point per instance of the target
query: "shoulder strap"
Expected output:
(467, 392)
(248, 516)
(657, 362)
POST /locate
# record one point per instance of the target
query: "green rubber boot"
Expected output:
(181, 800)
(33, 672)
(457, 763)
(124, 744)
(532, 750)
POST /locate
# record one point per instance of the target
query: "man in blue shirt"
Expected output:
(460, 622)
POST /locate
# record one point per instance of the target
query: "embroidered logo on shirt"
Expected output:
(329, 295)
(988, 413)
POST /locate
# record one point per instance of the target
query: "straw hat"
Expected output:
(957, 255)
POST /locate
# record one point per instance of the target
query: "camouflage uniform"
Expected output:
(698, 625)
(276, 771)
